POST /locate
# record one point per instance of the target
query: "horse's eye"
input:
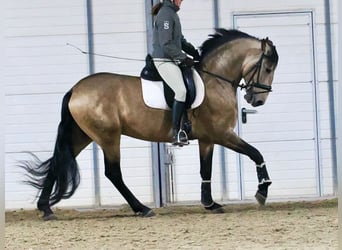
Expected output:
(268, 70)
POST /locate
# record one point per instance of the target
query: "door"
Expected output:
(285, 128)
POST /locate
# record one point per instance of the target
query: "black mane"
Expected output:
(221, 37)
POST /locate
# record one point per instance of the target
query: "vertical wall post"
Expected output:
(331, 92)
(2, 129)
(216, 13)
(91, 65)
(339, 124)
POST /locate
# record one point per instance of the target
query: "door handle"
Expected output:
(244, 113)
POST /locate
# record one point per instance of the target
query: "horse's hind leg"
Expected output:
(238, 145)
(79, 141)
(113, 173)
(206, 158)
(43, 203)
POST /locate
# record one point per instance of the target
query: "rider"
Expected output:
(169, 58)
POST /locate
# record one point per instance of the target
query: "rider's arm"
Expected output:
(165, 27)
(189, 49)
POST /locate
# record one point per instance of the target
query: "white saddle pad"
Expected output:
(153, 93)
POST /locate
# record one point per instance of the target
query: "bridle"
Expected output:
(256, 70)
(250, 83)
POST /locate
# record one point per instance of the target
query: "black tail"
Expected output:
(61, 170)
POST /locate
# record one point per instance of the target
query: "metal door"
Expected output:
(285, 129)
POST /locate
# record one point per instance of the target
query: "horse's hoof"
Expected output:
(47, 217)
(146, 214)
(215, 208)
(261, 194)
(260, 198)
(149, 213)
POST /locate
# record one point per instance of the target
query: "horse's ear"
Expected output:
(268, 41)
(263, 44)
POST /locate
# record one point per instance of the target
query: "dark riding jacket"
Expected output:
(168, 41)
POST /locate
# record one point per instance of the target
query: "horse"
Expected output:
(103, 106)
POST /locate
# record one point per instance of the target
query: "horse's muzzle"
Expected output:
(258, 103)
(248, 96)
(253, 99)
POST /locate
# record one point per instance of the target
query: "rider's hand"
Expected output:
(196, 56)
(187, 62)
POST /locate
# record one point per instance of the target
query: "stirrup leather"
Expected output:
(181, 139)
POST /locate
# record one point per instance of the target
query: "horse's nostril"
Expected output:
(259, 103)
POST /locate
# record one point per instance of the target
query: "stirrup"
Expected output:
(181, 139)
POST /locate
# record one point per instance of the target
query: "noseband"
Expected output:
(250, 84)
(256, 69)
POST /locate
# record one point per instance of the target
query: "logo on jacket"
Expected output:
(166, 25)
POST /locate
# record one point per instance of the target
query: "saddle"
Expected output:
(150, 73)
(157, 94)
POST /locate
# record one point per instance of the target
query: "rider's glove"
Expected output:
(187, 62)
(196, 55)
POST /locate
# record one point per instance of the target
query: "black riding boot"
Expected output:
(180, 138)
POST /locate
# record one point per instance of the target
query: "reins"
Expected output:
(257, 84)
(221, 78)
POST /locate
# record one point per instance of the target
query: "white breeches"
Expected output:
(172, 75)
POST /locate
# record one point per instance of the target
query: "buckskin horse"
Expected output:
(104, 106)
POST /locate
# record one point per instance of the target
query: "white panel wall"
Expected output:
(197, 18)
(2, 126)
(120, 31)
(39, 69)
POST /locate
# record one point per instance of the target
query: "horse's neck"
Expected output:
(228, 61)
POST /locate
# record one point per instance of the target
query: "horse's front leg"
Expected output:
(232, 141)
(206, 158)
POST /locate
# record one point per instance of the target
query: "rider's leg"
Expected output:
(178, 109)
(172, 75)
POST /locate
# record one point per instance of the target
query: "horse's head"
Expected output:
(258, 72)
(231, 54)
